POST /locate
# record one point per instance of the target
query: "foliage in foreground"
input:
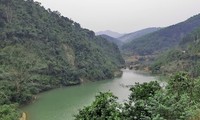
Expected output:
(104, 107)
(8, 112)
(178, 100)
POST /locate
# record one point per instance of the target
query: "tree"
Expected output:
(135, 109)
(8, 112)
(144, 91)
(104, 107)
(181, 83)
(164, 106)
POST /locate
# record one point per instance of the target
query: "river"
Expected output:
(63, 103)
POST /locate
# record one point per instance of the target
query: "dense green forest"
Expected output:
(185, 57)
(41, 49)
(163, 39)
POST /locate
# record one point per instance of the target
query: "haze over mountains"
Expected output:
(120, 38)
(109, 33)
(130, 36)
(162, 39)
(154, 39)
(166, 50)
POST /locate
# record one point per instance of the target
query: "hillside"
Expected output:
(41, 49)
(185, 57)
(113, 40)
(131, 36)
(109, 33)
(163, 39)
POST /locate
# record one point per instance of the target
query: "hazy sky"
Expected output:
(124, 15)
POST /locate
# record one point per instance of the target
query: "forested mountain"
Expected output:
(109, 33)
(185, 57)
(41, 49)
(131, 36)
(162, 39)
(113, 40)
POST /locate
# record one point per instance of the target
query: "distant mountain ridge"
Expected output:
(163, 39)
(130, 36)
(109, 33)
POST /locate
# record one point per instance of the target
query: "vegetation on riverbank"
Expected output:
(178, 100)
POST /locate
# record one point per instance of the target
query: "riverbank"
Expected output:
(24, 116)
(35, 98)
(64, 102)
(116, 74)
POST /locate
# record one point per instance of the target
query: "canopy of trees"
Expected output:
(178, 100)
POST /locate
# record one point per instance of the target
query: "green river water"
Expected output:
(63, 103)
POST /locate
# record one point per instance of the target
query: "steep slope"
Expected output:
(109, 33)
(40, 50)
(186, 57)
(131, 36)
(163, 39)
(111, 39)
